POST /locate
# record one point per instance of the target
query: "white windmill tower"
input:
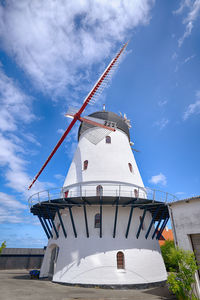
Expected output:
(100, 225)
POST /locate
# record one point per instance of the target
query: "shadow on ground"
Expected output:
(160, 291)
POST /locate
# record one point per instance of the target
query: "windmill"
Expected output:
(103, 225)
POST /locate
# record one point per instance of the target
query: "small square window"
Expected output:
(108, 139)
(85, 165)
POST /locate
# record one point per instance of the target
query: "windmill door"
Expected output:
(54, 255)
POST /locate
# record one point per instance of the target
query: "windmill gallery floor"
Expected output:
(16, 285)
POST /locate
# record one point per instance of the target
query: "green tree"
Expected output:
(182, 281)
(3, 245)
(166, 249)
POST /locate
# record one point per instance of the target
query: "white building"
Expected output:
(100, 225)
(185, 219)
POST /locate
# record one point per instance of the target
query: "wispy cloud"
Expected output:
(193, 108)
(180, 193)
(158, 179)
(193, 9)
(185, 61)
(161, 123)
(60, 131)
(15, 112)
(53, 41)
(15, 105)
(187, 33)
(59, 177)
(10, 209)
(189, 58)
(162, 102)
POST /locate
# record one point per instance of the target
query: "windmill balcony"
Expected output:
(101, 189)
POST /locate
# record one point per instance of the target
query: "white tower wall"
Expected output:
(106, 162)
(93, 260)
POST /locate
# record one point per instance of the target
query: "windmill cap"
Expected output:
(108, 116)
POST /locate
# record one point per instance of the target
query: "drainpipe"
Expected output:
(173, 225)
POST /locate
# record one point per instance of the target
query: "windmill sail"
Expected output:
(89, 97)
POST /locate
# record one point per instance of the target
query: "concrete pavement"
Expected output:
(16, 285)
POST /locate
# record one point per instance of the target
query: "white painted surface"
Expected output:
(186, 218)
(105, 161)
(93, 260)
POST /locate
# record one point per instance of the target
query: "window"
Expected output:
(66, 194)
(99, 190)
(120, 260)
(97, 221)
(85, 164)
(130, 167)
(136, 193)
(108, 139)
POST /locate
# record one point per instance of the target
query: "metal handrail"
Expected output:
(110, 188)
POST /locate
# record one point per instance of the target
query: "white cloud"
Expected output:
(180, 193)
(59, 177)
(15, 111)
(189, 58)
(162, 102)
(14, 104)
(162, 123)
(10, 209)
(54, 41)
(192, 109)
(187, 33)
(184, 4)
(160, 178)
(10, 202)
(60, 131)
(31, 138)
(174, 56)
(193, 10)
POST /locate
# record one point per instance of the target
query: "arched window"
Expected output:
(85, 164)
(97, 221)
(120, 260)
(130, 167)
(66, 194)
(99, 190)
(136, 193)
(108, 139)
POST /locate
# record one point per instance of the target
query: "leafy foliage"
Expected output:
(181, 283)
(3, 245)
(170, 264)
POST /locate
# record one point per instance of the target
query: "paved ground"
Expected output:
(16, 285)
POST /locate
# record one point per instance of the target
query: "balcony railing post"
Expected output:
(80, 191)
(39, 197)
(154, 195)
(49, 197)
(166, 197)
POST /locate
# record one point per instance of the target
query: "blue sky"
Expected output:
(52, 52)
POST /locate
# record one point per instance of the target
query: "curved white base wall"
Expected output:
(93, 260)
